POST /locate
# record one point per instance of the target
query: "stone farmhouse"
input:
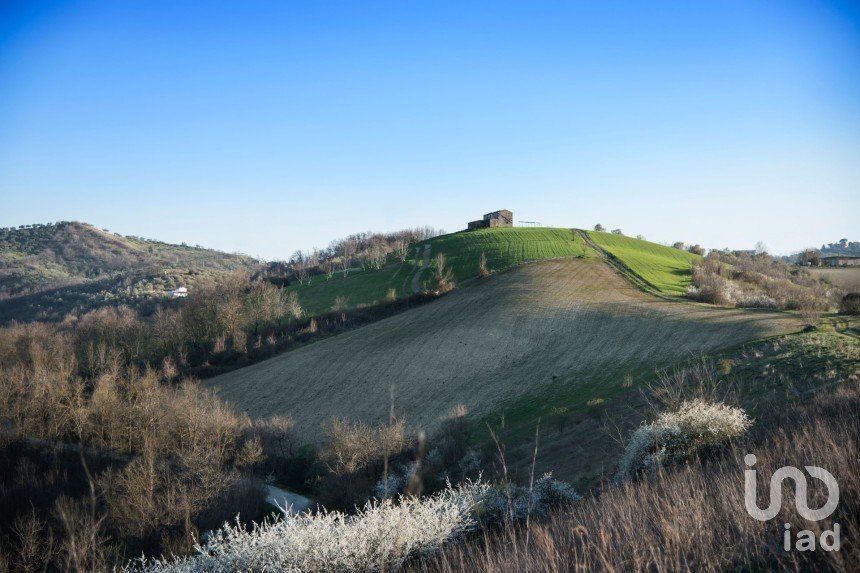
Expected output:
(500, 218)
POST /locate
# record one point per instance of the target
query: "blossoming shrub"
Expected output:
(380, 536)
(678, 434)
(514, 502)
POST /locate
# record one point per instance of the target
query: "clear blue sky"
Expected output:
(267, 127)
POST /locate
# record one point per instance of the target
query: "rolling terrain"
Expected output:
(47, 271)
(559, 332)
(503, 247)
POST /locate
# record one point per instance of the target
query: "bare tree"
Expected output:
(348, 247)
(328, 266)
(401, 249)
(299, 263)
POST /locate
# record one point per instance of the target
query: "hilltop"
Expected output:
(656, 267)
(49, 270)
(502, 247)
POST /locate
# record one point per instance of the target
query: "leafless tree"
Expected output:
(348, 248)
(328, 266)
(299, 263)
(401, 249)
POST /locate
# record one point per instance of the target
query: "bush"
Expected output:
(759, 300)
(483, 270)
(850, 303)
(677, 435)
(381, 536)
(514, 503)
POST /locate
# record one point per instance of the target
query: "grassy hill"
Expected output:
(506, 247)
(664, 268)
(567, 332)
(49, 270)
(503, 247)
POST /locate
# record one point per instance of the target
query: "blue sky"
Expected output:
(263, 127)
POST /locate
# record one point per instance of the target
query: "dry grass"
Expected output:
(693, 517)
(848, 278)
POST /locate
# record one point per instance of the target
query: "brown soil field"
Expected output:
(567, 327)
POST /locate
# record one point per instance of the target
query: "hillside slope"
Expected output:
(48, 270)
(664, 268)
(562, 331)
(503, 247)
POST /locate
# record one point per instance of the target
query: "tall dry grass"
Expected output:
(693, 517)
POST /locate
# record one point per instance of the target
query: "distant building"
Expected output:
(840, 261)
(180, 292)
(500, 218)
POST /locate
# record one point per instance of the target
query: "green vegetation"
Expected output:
(503, 248)
(506, 247)
(665, 268)
(360, 287)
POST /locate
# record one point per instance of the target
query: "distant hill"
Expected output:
(49, 270)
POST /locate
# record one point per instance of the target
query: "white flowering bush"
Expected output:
(757, 300)
(678, 434)
(514, 502)
(382, 535)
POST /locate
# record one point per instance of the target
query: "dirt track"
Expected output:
(488, 344)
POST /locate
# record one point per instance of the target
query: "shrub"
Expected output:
(676, 435)
(444, 274)
(759, 300)
(850, 303)
(514, 502)
(382, 535)
(483, 270)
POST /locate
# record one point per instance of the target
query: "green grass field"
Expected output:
(504, 248)
(359, 287)
(665, 268)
